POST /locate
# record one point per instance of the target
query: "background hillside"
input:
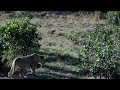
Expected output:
(60, 44)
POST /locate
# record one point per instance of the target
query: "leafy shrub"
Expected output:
(101, 50)
(113, 17)
(18, 37)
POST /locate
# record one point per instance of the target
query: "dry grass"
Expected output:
(53, 29)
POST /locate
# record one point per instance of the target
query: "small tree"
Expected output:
(18, 37)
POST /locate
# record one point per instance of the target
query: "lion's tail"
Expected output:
(12, 70)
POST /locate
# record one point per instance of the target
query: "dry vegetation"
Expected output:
(61, 53)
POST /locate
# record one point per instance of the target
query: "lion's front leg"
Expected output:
(23, 72)
(33, 70)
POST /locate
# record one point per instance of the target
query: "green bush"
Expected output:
(18, 38)
(113, 17)
(101, 50)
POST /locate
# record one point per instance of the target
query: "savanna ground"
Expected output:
(61, 53)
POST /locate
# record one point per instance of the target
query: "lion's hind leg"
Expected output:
(23, 72)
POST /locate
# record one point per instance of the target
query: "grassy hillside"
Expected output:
(62, 53)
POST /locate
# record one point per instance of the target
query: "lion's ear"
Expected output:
(33, 54)
(42, 57)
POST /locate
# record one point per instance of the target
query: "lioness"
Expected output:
(26, 62)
